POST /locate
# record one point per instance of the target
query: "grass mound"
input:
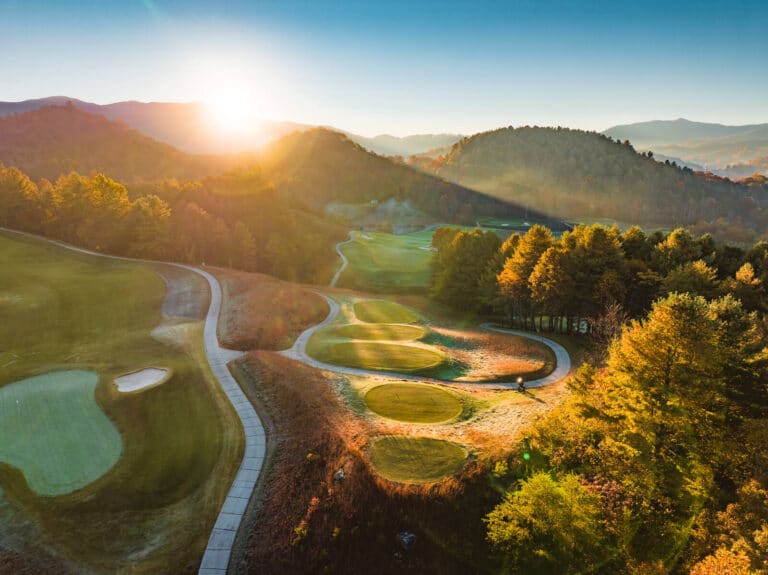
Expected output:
(413, 402)
(382, 311)
(377, 332)
(379, 356)
(416, 459)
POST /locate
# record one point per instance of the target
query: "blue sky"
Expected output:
(402, 67)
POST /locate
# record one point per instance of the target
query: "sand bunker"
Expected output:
(141, 379)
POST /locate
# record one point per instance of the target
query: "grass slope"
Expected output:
(380, 331)
(378, 356)
(63, 310)
(387, 263)
(406, 459)
(413, 402)
(263, 312)
(382, 311)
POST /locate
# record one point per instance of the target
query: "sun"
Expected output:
(231, 111)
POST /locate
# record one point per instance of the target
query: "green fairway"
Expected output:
(55, 432)
(408, 459)
(380, 332)
(413, 402)
(388, 263)
(382, 311)
(378, 356)
(63, 311)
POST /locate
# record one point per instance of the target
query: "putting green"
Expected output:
(379, 356)
(380, 332)
(55, 433)
(181, 441)
(413, 402)
(416, 459)
(382, 311)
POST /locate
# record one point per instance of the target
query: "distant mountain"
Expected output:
(183, 125)
(53, 140)
(576, 174)
(713, 146)
(319, 167)
(386, 145)
(187, 126)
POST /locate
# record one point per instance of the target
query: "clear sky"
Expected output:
(402, 67)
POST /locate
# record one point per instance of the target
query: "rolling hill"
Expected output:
(576, 174)
(319, 167)
(54, 140)
(386, 145)
(187, 126)
(713, 146)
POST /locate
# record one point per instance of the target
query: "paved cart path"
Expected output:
(344, 260)
(299, 353)
(219, 548)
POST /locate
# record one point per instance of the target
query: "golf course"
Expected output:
(413, 402)
(109, 477)
(385, 336)
(407, 459)
(387, 263)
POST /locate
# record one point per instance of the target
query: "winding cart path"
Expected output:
(219, 549)
(299, 353)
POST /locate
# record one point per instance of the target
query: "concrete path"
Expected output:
(298, 352)
(219, 548)
(344, 261)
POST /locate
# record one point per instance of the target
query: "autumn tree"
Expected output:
(549, 525)
(513, 279)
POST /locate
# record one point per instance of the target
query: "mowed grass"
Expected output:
(388, 263)
(55, 432)
(380, 332)
(407, 459)
(378, 356)
(61, 311)
(383, 311)
(413, 402)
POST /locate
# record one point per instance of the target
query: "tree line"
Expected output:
(655, 462)
(586, 279)
(233, 220)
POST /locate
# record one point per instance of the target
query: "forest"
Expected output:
(211, 221)
(575, 174)
(656, 458)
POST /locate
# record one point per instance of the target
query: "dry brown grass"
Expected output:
(263, 312)
(310, 524)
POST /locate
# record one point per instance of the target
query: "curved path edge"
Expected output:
(298, 352)
(344, 260)
(219, 548)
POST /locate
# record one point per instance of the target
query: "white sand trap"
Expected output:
(428, 248)
(141, 379)
(366, 236)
